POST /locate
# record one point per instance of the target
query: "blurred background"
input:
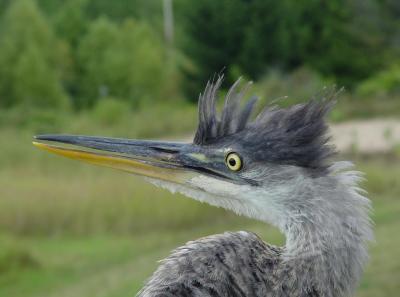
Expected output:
(134, 68)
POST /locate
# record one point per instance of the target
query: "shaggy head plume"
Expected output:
(295, 135)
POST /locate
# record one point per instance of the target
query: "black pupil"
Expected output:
(232, 162)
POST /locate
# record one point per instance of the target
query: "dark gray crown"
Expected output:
(296, 135)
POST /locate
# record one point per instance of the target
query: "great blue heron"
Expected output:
(274, 168)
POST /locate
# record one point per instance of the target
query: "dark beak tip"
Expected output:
(52, 137)
(41, 136)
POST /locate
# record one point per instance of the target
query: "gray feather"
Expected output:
(295, 135)
(229, 264)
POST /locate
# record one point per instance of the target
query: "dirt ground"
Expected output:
(367, 136)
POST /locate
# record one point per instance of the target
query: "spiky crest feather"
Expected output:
(295, 135)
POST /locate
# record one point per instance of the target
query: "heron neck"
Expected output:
(326, 248)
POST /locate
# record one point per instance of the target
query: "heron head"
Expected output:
(252, 165)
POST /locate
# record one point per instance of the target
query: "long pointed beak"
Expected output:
(161, 160)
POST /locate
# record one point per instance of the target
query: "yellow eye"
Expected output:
(233, 161)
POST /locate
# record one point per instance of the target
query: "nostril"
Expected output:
(164, 150)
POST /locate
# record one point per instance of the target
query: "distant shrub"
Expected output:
(110, 111)
(125, 61)
(38, 120)
(30, 59)
(164, 120)
(384, 83)
(302, 84)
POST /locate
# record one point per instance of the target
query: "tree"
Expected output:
(124, 61)
(122, 9)
(344, 39)
(30, 70)
(250, 36)
(71, 21)
(70, 24)
(214, 34)
(267, 39)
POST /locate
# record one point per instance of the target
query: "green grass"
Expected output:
(70, 229)
(383, 184)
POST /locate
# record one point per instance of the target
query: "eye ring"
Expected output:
(233, 161)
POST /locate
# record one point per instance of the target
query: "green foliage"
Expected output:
(303, 83)
(300, 85)
(214, 32)
(71, 22)
(125, 61)
(384, 83)
(89, 49)
(37, 120)
(35, 83)
(122, 9)
(29, 59)
(334, 38)
(110, 111)
(291, 48)
(90, 60)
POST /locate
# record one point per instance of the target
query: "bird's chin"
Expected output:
(192, 188)
(208, 190)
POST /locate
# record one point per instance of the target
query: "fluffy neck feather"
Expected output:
(327, 248)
